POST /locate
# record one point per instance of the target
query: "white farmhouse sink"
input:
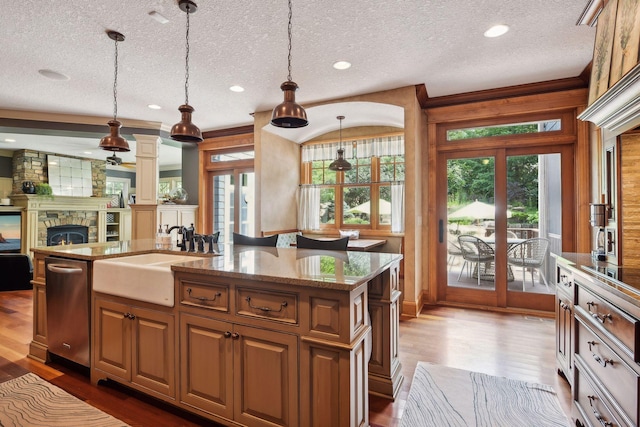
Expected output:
(146, 277)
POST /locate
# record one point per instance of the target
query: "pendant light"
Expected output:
(289, 114)
(340, 164)
(114, 142)
(185, 130)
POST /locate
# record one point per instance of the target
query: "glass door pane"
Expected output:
(223, 206)
(247, 207)
(470, 221)
(231, 213)
(534, 221)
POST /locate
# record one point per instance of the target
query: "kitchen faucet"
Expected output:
(182, 232)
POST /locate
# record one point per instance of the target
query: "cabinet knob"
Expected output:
(227, 334)
(235, 336)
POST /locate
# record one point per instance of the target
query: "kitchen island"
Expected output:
(256, 336)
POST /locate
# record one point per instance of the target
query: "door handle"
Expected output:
(441, 231)
(65, 269)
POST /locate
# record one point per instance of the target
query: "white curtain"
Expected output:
(309, 208)
(363, 148)
(397, 207)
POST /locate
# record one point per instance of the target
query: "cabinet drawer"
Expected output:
(278, 306)
(614, 374)
(592, 410)
(622, 326)
(211, 296)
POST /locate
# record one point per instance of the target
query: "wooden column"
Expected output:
(143, 212)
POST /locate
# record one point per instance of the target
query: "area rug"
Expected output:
(31, 401)
(442, 396)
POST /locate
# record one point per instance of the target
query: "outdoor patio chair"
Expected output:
(453, 251)
(530, 255)
(476, 251)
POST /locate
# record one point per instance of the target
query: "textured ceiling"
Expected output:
(391, 43)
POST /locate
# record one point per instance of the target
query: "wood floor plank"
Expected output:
(512, 345)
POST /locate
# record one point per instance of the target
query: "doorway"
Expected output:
(503, 211)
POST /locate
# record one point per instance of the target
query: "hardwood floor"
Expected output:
(511, 345)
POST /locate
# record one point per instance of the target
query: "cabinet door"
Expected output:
(564, 335)
(153, 345)
(112, 338)
(168, 216)
(266, 377)
(206, 364)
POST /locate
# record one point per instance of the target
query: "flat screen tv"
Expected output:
(10, 232)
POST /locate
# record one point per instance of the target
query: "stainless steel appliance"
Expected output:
(68, 309)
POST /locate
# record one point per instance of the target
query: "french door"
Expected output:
(233, 203)
(502, 212)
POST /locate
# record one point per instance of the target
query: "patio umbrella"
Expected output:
(476, 210)
(365, 208)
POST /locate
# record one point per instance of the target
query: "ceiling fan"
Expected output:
(114, 160)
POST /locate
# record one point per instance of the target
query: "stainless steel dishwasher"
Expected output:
(67, 290)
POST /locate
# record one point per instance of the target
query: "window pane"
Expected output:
(360, 172)
(327, 206)
(357, 205)
(392, 168)
(506, 129)
(230, 157)
(384, 207)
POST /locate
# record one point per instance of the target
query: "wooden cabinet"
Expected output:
(272, 354)
(240, 373)
(565, 295)
(605, 348)
(118, 224)
(171, 215)
(134, 344)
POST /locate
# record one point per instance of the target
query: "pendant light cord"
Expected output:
(186, 80)
(289, 32)
(115, 83)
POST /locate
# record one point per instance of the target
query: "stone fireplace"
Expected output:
(42, 213)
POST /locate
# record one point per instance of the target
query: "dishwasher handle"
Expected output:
(65, 269)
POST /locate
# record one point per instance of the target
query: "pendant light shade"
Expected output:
(185, 130)
(288, 114)
(114, 142)
(340, 164)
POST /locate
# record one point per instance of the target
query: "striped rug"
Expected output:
(31, 401)
(441, 396)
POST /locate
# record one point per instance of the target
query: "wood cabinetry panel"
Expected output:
(589, 407)
(630, 199)
(206, 295)
(206, 365)
(112, 349)
(266, 377)
(623, 328)
(154, 351)
(278, 306)
(618, 378)
(325, 316)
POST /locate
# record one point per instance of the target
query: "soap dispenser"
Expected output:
(159, 237)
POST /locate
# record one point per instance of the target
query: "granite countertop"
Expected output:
(95, 251)
(302, 267)
(622, 281)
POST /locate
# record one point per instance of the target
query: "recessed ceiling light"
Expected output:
(87, 152)
(155, 15)
(9, 140)
(342, 65)
(496, 30)
(154, 107)
(53, 75)
(236, 88)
